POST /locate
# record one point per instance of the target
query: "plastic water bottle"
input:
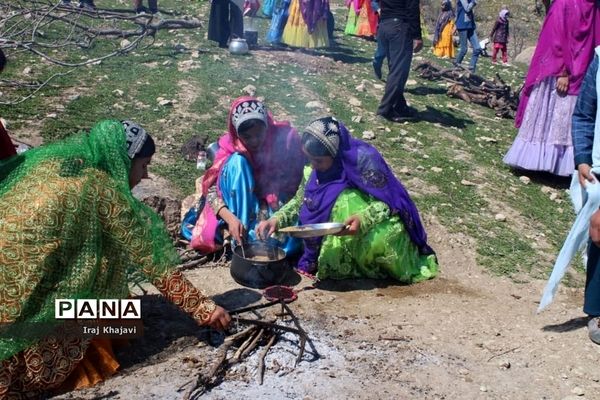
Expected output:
(22, 148)
(201, 161)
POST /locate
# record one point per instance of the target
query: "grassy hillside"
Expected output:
(451, 161)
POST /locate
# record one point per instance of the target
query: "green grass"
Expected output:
(449, 139)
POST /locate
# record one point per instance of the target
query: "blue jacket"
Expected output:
(464, 14)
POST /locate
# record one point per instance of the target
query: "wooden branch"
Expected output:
(42, 85)
(261, 359)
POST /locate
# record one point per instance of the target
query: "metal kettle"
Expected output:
(238, 46)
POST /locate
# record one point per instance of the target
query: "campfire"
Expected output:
(257, 328)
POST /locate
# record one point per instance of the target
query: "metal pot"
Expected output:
(211, 151)
(259, 265)
(238, 46)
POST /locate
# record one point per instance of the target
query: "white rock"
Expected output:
(546, 189)
(314, 104)
(553, 196)
(525, 180)
(74, 97)
(124, 43)
(250, 90)
(483, 389)
(487, 139)
(117, 106)
(354, 102)
(51, 115)
(577, 391)
(368, 135)
(378, 86)
(360, 88)
(465, 182)
(500, 217)
(357, 119)
(118, 92)
(27, 71)
(165, 102)
(411, 82)
(405, 170)
(436, 169)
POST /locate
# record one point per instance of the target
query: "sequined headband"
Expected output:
(327, 132)
(135, 137)
(248, 110)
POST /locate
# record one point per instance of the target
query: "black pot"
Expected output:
(259, 273)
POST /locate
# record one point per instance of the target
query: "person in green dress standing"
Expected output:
(350, 182)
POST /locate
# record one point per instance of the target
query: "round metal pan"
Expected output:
(313, 230)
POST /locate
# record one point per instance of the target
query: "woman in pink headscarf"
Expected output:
(564, 50)
(257, 169)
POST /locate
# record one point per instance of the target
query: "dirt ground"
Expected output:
(464, 335)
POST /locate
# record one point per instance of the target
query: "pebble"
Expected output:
(525, 179)
(577, 391)
(500, 217)
(314, 104)
(483, 389)
(436, 169)
(368, 135)
(250, 90)
(505, 365)
(354, 102)
(465, 182)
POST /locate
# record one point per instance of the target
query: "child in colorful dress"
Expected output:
(499, 36)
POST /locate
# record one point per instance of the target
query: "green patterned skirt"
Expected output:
(384, 251)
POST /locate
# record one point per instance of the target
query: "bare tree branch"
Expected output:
(63, 35)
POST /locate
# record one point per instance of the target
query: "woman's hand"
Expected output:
(585, 174)
(234, 225)
(352, 226)
(219, 319)
(236, 229)
(266, 228)
(562, 85)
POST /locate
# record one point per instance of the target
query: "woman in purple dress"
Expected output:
(564, 50)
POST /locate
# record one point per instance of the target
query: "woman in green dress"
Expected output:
(350, 182)
(71, 229)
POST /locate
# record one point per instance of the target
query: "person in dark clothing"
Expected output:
(584, 131)
(499, 36)
(7, 147)
(465, 25)
(85, 4)
(226, 21)
(140, 9)
(399, 34)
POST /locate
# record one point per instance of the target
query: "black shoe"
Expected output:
(87, 6)
(377, 70)
(406, 115)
